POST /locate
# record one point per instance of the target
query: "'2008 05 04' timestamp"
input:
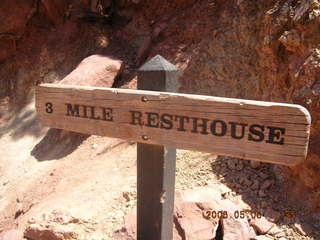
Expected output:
(212, 214)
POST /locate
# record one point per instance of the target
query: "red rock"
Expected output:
(8, 47)
(208, 198)
(130, 222)
(262, 194)
(291, 40)
(95, 71)
(236, 228)
(197, 228)
(272, 215)
(255, 185)
(263, 175)
(86, 3)
(188, 214)
(144, 50)
(303, 229)
(36, 232)
(61, 225)
(245, 181)
(13, 234)
(14, 15)
(129, 231)
(205, 206)
(192, 222)
(184, 209)
(267, 184)
(158, 29)
(55, 10)
(261, 225)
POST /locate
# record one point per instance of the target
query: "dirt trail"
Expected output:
(86, 183)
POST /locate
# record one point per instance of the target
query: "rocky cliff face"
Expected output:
(43, 41)
(263, 50)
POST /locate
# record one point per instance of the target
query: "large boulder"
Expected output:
(199, 214)
(59, 225)
(95, 71)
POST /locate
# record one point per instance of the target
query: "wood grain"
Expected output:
(293, 118)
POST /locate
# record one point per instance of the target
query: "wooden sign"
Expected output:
(161, 122)
(264, 131)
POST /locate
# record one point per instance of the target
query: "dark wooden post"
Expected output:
(156, 164)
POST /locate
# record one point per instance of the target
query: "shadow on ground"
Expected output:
(57, 144)
(21, 123)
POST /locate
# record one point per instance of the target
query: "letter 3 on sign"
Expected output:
(49, 108)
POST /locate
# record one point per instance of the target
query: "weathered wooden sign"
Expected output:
(264, 131)
(161, 122)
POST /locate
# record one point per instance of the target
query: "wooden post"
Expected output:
(156, 164)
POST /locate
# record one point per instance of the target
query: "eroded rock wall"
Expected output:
(43, 41)
(262, 50)
(290, 58)
(268, 50)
